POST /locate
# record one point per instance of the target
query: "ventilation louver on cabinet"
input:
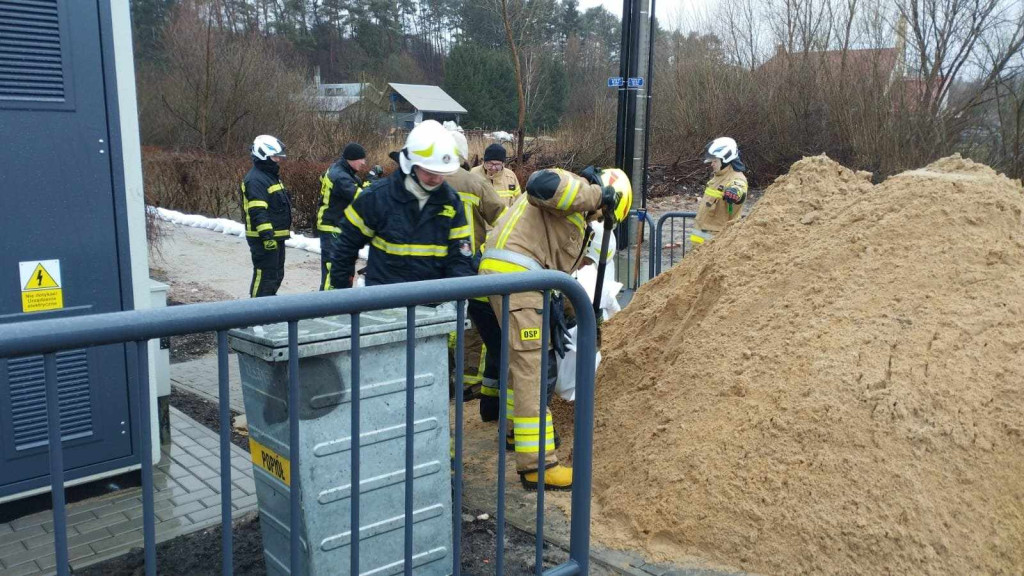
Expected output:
(31, 67)
(28, 398)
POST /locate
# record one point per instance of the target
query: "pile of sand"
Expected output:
(834, 385)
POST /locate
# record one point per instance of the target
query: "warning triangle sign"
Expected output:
(40, 279)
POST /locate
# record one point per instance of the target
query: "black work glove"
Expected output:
(267, 236)
(559, 330)
(731, 196)
(610, 199)
(592, 174)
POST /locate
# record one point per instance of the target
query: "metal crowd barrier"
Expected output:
(632, 280)
(47, 337)
(671, 218)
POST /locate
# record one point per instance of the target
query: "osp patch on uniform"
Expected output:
(527, 334)
(448, 211)
(465, 249)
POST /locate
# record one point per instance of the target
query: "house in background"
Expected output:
(406, 104)
(335, 100)
(885, 68)
(410, 104)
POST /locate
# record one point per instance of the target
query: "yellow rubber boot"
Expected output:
(557, 477)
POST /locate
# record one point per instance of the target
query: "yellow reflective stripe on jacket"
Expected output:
(569, 194)
(712, 192)
(433, 250)
(500, 266)
(578, 220)
(352, 216)
(277, 233)
(510, 224)
(325, 192)
(470, 199)
(508, 193)
(275, 188)
(245, 210)
(256, 204)
(471, 225)
(460, 232)
(264, 226)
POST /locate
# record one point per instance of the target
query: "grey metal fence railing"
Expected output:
(670, 217)
(47, 337)
(633, 271)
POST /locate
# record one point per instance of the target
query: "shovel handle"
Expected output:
(602, 260)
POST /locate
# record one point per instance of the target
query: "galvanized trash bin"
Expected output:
(325, 428)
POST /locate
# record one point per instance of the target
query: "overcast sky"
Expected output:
(672, 13)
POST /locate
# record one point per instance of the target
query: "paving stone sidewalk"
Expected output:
(200, 377)
(187, 499)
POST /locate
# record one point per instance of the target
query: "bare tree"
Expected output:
(508, 14)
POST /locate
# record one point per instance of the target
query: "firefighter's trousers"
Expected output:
(330, 277)
(267, 268)
(524, 364)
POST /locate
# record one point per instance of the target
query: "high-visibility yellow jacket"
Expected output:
(714, 212)
(481, 203)
(505, 183)
(546, 228)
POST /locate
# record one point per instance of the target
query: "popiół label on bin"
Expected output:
(41, 286)
(275, 464)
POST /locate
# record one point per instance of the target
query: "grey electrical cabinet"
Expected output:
(70, 207)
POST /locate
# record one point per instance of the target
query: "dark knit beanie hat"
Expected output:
(353, 151)
(494, 152)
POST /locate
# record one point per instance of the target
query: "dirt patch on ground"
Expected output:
(206, 413)
(834, 385)
(199, 553)
(196, 554)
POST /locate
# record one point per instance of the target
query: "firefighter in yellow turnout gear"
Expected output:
(483, 206)
(545, 229)
(724, 194)
(503, 180)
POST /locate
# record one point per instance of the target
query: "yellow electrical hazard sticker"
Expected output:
(41, 286)
(529, 334)
(275, 464)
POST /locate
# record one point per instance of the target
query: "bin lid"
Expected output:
(340, 327)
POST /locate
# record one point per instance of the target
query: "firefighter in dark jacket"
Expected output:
(338, 188)
(268, 216)
(413, 221)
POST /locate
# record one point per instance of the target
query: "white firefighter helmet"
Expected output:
(723, 148)
(265, 146)
(430, 147)
(461, 145)
(594, 248)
